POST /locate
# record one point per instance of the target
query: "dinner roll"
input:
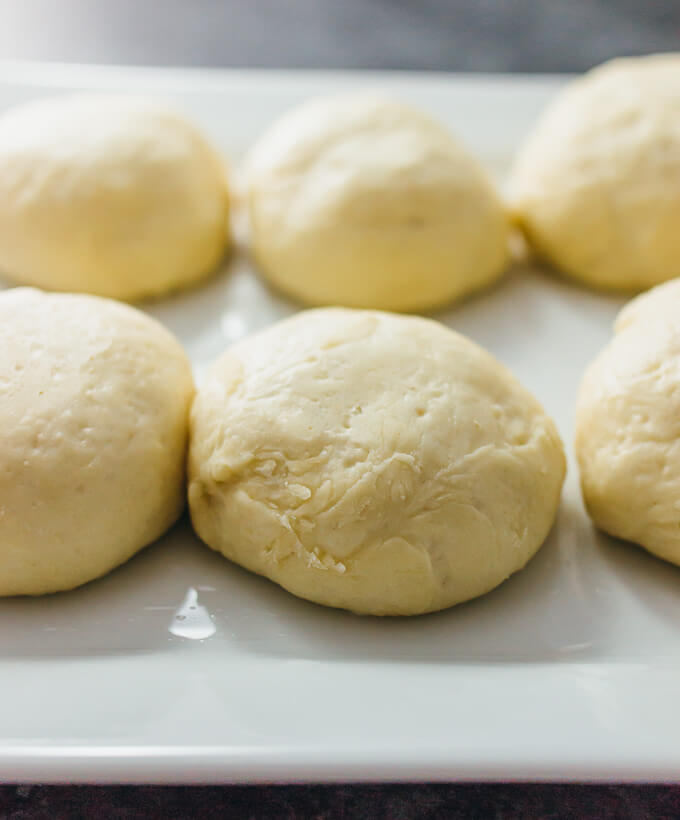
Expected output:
(628, 426)
(114, 196)
(365, 202)
(596, 187)
(379, 463)
(94, 412)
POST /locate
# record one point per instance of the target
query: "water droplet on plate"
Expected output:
(192, 620)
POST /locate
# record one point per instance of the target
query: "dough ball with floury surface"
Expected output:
(365, 202)
(628, 426)
(95, 398)
(596, 187)
(373, 462)
(114, 196)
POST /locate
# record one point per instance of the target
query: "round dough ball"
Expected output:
(596, 187)
(364, 202)
(108, 195)
(628, 426)
(373, 462)
(94, 411)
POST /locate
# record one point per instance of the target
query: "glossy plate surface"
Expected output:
(180, 667)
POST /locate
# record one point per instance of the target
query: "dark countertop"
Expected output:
(473, 35)
(378, 802)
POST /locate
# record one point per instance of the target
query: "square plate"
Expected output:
(180, 667)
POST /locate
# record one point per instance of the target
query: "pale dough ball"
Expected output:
(373, 462)
(108, 195)
(596, 187)
(363, 202)
(94, 403)
(628, 426)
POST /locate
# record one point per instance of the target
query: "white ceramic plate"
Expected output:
(179, 667)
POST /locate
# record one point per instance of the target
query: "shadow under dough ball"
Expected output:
(378, 463)
(109, 195)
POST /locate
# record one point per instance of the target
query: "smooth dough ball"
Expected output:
(379, 463)
(596, 188)
(628, 426)
(363, 202)
(94, 404)
(108, 195)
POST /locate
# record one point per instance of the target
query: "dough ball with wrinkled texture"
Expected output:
(596, 187)
(628, 426)
(114, 196)
(378, 463)
(364, 202)
(94, 408)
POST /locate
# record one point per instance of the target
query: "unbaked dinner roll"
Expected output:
(379, 463)
(628, 426)
(365, 202)
(114, 196)
(94, 402)
(596, 187)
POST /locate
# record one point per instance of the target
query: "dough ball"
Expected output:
(94, 410)
(628, 426)
(373, 462)
(596, 188)
(108, 195)
(363, 202)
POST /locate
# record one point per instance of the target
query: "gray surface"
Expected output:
(474, 35)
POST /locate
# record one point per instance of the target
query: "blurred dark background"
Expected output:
(470, 35)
